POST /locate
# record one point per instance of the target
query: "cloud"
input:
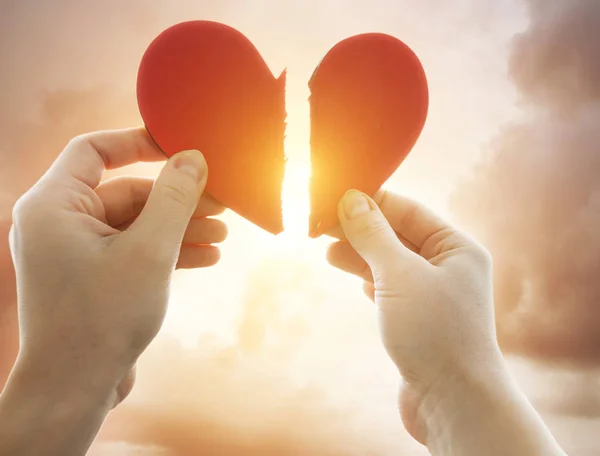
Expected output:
(30, 145)
(556, 63)
(568, 400)
(303, 372)
(292, 381)
(534, 201)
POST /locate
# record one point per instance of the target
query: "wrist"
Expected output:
(46, 384)
(459, 394)
(56, 379)
(425, 402)
(481, 410)
(49, 414)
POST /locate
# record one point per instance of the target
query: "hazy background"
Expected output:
(272, 352)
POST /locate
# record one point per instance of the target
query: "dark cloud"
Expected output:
(555, 64)
(535, 200)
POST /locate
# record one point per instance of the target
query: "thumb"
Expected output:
(370, 234)
(172, 201)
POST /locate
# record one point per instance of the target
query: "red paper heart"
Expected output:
(203, 85)
(369, 101)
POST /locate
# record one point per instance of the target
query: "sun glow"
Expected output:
(295, 191)
(295, 197)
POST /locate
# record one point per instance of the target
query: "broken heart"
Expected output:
(203, 85)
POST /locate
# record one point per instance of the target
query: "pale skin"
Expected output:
(94, 262)
(432, 287)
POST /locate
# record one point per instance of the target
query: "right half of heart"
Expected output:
(368, 105)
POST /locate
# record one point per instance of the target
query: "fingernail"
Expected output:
(355, 204)
(191, 162)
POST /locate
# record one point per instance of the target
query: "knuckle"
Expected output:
(443, 241)
(180, 193)
(18, 211)
(476, 250)
(482, 255)
(24, 209)
(87, 140)
(12, 239)
(29, 216)
(410, 215)
(389, 273)
(372, 228)
(125, 386)
(78, 141)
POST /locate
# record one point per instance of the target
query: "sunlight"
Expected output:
(295, 199)
(295, 194)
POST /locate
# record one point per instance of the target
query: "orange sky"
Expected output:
(271, 351)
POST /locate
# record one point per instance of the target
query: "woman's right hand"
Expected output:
(432, 285)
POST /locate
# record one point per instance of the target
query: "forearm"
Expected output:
(39, 416)
(485, 413)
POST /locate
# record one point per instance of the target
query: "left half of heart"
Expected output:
(203, 85)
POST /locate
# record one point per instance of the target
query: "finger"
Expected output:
(172, 201)
(198, 256)
(125, 386)
(337, 233)
(369, 290)
(87, 156)
(205, 231)
(342, 256)
(411, 220)
(372, 237)
(208, 207)
(124, 197)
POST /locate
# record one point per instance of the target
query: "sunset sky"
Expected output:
(273, 352)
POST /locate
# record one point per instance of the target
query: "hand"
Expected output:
(431, 283)
(94, 260)
(433, 289)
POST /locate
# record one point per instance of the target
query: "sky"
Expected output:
(535, 200)
(272, 351)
